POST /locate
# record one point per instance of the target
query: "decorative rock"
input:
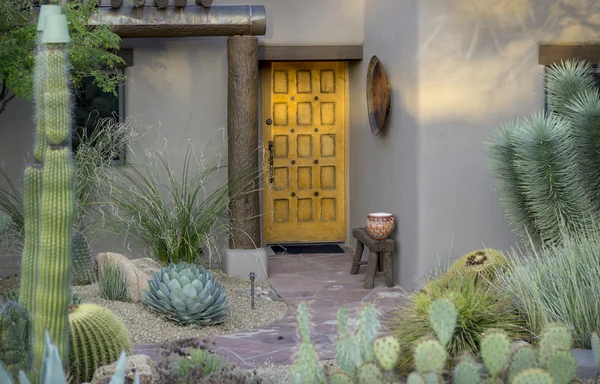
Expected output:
(141, 364)
(147, 265)
(135, 279)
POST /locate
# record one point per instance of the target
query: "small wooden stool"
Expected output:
(380, 256)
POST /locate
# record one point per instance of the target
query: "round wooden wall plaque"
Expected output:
(379, 95)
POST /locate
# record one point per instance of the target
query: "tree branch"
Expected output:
(3, 99)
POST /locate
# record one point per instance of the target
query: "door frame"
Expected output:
(265, 83)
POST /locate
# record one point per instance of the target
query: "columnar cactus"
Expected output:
(32, 176)
(57, 206)
(552, 363)
(83, 269)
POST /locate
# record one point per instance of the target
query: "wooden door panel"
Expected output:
(305, 193)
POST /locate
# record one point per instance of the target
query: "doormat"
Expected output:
(307, 248)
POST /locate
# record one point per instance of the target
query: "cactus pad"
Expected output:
(524, 357)
(415, 378)
(534, 376)
(562, 366)
(495, 350)
(347, 354)
(368, 328)
(387, 351)
(554, 336)
(339, 377)
(443, 316)
(466, 371)
(432, 378)
(369, 373)
(97, 337)
(430, 356)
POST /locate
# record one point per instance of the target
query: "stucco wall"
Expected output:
(179, 86)
(458, 70)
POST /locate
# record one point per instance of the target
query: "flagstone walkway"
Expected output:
(325, 282)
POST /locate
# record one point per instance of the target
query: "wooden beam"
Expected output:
(161, 4)
(242, 142)
(554, 53)
(312, 53)
(204, 3)
(127, 55)
(149, 22)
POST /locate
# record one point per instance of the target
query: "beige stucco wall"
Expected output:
(458, 70)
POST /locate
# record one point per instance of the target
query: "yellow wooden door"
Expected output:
(304, 131)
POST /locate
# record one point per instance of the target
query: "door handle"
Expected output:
(270, 161)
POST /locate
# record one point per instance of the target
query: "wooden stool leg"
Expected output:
(360, 247)
(371, 266)
(380, 262)
(389, 269)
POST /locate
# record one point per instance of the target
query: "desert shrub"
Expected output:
(111, 282)
(559, 284)
(479, 308)
(547, 167)
(198, 363)
(168, 210)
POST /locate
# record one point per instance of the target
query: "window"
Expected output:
(93, 105)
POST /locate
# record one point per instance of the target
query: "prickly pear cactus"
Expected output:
(523, 357)
(596, 350)
(443, 316)
(430, 356)
(306, 369)
(495, 350)
(534, 376)
(562, 366)
(387, 351)
(553, 337)
(467, 371)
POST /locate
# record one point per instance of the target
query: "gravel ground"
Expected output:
(280, 374)
(146, 327)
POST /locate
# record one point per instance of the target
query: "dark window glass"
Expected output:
(93, 105)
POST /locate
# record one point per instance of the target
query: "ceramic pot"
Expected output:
(380, 225)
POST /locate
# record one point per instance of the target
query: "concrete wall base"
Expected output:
(240, 262)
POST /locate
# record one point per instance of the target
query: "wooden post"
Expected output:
(242, 132)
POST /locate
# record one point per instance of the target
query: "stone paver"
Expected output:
(322, 280)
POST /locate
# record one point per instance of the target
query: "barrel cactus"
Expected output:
(187, 294)
(96, 338)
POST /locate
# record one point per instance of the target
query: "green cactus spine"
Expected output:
(96, 338)
(32, 178)
(57, 201)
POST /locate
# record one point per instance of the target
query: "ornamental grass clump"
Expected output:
(479, 308)
(111, 282)
(171, 212)
(559, 284)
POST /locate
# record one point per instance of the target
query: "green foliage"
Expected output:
(554, 362)
(14, 340)
(169, 211)
(197, 363)
(362, 357)
(5, 223)
(559, 284)
(546, 167)
(479, 308)
(83, 270)
(187, 294)
(90, 54)
(111, 283)
(96, 338)
(51, 371)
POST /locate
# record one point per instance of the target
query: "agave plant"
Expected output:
(187, 294)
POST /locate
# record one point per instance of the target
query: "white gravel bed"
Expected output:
(146, 327)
